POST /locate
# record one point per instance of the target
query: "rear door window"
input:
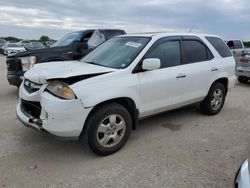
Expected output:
(220, 46)
(195, 51)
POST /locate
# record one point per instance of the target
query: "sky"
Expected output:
(30, 19)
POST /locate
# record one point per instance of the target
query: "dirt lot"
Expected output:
(182, 148)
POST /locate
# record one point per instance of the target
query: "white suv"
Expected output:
(101, 97)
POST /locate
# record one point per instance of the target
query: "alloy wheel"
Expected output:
(111, 130)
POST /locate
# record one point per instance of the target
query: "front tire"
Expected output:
(215, 99)
(108, 129)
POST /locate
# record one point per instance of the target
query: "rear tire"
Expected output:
(108, 129)
(215, 99)
(243, 79)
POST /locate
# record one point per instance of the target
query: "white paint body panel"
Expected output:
(152, 91)
(62, 69)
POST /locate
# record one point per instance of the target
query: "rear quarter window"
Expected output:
(220, 46)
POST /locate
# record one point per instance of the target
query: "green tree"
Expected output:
(44, 38)
(247, 44)
(12, 39)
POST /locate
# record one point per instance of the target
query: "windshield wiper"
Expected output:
(92, 63)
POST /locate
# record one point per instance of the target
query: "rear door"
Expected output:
(198, 66)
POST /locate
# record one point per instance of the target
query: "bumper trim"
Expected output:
(25, 120)
(241, 71)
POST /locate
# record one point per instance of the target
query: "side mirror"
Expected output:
(151, 64)
(79, 47)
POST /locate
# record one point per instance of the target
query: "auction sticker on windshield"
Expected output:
(133, 44)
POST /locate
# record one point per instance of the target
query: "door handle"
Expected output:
(181, 76)
(214, 69)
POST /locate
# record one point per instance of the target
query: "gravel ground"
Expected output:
(181, 148)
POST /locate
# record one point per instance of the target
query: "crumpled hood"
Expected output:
(42, 72)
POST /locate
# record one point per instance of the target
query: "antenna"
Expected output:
(193, 26)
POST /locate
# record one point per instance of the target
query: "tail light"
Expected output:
(241, 60)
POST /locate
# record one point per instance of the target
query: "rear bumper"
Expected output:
(243, 72)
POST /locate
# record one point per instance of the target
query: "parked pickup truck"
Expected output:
(236, 47)
(73, 46)
(243, 68)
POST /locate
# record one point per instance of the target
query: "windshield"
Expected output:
(66, 40)
(118, 52)
(13, 45)
(37, 45)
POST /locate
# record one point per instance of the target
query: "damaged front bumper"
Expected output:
(27, 119)
(62, 118)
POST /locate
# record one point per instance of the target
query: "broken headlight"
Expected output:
(61, 90)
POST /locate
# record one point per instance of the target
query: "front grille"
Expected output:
(11, 64)
(31, 87)
(31, 108)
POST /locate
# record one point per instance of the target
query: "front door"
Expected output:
(162, 88)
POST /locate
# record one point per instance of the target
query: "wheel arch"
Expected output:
(223, 80)
(128, 103)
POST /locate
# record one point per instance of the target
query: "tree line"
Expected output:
(42, 39)
(247, 44)
(45, 39)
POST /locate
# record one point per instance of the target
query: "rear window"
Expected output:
(237, 44)
(195, 51)
(220, 46)
(112, 33)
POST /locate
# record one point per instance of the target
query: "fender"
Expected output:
(98, 94)
(96, 99)
(106, 87)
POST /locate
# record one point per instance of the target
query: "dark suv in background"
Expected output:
(73, 46)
